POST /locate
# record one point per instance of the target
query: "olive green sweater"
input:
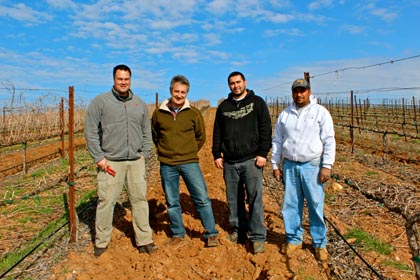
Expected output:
(178, 136)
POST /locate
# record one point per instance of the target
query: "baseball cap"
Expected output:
(300, 83)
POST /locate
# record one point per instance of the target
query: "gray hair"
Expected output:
(180, 79)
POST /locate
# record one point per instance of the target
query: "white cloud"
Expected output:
(387, 14)
(161, 10)
(212, 39)
(187, 55)
(23, 13)
(381, 44)
(384, 14)
(219, 54)
(319, 4)
(353, 29)
(167, 23)
(295, 32)
(279, 18)
(61, 4)
(219, 7)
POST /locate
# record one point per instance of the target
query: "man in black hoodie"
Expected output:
(241, 142)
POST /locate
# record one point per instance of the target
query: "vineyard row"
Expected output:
(400, 119)
(25, 126)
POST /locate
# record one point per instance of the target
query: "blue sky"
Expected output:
(53, 44)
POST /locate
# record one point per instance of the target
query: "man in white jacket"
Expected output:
(303, 153)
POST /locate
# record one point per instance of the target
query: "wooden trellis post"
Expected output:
(72, 208)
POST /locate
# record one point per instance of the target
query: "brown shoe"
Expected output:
(321, 254)
(258, 247)
(149, 248)
(177, 242)
(239, 238)
(289, 249)
(212, 241)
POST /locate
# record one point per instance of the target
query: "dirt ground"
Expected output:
(234, 261)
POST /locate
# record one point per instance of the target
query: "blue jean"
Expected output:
(240, 178)
(194, 180)
(301, 182)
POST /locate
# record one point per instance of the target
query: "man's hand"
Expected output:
(278, 174)
(218, 163)
(102, 164)
(260, 161)
(324, 175)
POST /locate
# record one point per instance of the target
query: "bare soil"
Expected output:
(346, 208)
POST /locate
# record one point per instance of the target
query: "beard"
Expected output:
(237, 94)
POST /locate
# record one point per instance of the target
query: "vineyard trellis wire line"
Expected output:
(352, 68)
(366, 66)
(375, 90)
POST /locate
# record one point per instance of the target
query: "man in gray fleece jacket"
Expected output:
(118, 136)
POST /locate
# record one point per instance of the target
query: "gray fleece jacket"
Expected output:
(118, 129)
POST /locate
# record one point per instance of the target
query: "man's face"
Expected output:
(301, 96)
(179, 92)
(122, 82)
(237, 86)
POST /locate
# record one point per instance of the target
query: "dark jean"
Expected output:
(240, 178)
(194, 180)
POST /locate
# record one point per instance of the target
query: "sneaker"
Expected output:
(289, 249)
(97, 252)
(177, 242)
(212, 241)
(149, 248)
(321, 254)
(258, 247)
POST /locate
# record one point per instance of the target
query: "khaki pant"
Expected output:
(133, 173)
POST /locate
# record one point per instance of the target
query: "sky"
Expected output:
(369, 47)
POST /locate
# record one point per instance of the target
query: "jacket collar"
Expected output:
(117, 95)
(165, 103)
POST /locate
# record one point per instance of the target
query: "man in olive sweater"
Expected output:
(178, 132)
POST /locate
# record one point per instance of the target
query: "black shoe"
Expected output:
(98, 251)
(149, 248)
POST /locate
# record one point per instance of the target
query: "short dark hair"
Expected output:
(122, 67)
(236, 73)
(180, 79)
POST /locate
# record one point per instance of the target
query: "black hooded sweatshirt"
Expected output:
(242, 129)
